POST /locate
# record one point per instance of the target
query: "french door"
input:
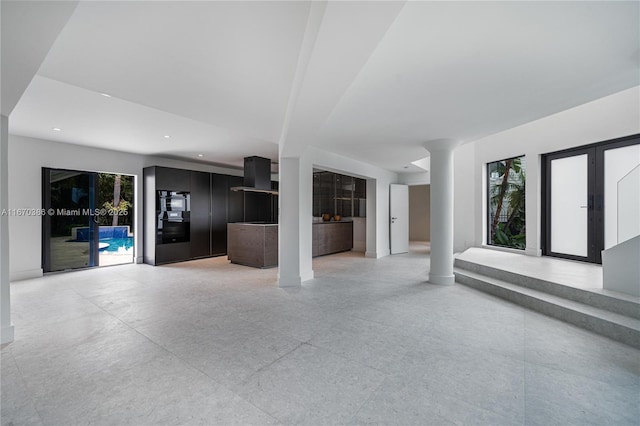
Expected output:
(583, 208)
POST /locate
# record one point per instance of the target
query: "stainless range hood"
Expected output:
(257, 176)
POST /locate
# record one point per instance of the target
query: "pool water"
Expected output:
(117, 244)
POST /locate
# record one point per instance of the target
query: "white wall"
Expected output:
(465, 200)
(607, 118)
(28, 156)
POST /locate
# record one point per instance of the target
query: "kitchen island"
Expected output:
(253, 244)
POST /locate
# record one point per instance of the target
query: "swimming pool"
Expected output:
(117, 244)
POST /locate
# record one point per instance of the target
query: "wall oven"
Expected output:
(173, 210)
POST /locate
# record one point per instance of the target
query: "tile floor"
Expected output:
(367, 342)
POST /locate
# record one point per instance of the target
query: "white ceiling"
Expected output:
(381, 79)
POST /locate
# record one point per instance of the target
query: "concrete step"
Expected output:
(618, 303)
(613, 325)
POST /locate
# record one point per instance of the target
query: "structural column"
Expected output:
(441, 270)
(294, 222)
(6, 333)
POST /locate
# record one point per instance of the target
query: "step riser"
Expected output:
(596, 300)
(597, 325)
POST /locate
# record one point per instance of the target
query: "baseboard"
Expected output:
(307, 276)
(139, 259)
(7, 334)
(26, 275)
(291, 281)
(371, 254)
(533, 252)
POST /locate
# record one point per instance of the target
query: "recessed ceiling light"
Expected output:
(56, 129)
(200, 155)
(106, 95)
(167, 136)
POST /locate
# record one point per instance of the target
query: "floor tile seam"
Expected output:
(583, 376)
(32, 399)
(248, 378)
(366, 401)
(346, 358)
(195, 368)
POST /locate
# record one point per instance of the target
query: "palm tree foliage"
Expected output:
(507, 203)
(115, 193)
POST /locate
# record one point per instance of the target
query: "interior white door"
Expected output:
(399, 218)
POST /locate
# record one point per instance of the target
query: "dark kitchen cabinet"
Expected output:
(219, 200)
(200, 214)
(257, 207)
(155, 251)
(235, 206)
(212, 206)
(168, 179)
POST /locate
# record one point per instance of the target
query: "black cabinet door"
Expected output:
(235, 207)
(168, 179)
(200, 214)
(257, 207)
(219, 199)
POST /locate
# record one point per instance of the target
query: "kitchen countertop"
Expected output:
(332, 222)
(254, 223)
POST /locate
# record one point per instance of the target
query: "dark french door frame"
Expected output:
(595, 202)
(94, 257)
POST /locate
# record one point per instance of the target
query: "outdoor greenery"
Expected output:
(507, 225)
(115, 193)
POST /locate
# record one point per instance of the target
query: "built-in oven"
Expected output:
(173, 210)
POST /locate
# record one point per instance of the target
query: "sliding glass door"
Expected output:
(69, 231)
(88, 219)
(583, 207)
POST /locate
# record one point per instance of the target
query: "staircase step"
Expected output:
(610, 301)
(613, 325)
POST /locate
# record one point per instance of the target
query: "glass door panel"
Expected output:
(70, 233)
(569, 201)
(621, 194)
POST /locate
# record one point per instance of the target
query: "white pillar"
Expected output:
(6, 330)
(441, 271)
(294, 222)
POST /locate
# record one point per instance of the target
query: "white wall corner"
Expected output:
(26, 275)
(533, 251)
(289, 281)
(7, 334)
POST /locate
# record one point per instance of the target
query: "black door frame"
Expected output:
(94, 258)
(595, 189)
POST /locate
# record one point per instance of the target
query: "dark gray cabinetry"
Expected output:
(219, 206)
(212, 206)
(200, 214)
(253, 244)
(235, 206)
(162, 179)
(331, 237)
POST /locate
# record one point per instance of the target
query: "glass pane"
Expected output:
(507, 214)
(115, 198)
(618, 163)
(569, 210)
(71, 231)
(629, 205)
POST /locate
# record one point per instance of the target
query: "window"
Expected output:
(506, 203)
